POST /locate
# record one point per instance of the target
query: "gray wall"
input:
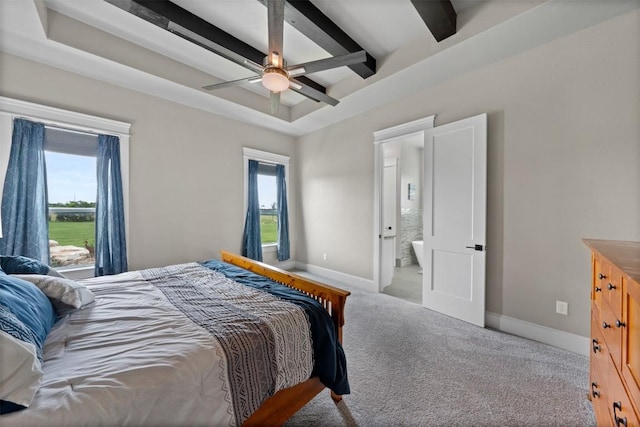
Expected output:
(186, 170)
(563, 155)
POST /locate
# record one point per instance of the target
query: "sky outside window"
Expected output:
(70, 178)
(267, 194)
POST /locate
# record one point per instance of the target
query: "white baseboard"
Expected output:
(565, 340)
(286, 265)
(348, 279)
(555, 337)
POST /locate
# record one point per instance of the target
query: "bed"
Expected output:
(229, 342)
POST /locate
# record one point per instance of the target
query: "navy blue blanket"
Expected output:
(330, 364)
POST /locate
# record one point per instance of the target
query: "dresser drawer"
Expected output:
(612, 289)
(619, 406)
(599, 398)
(631, 339)
(611, 327)
(601, 274)
(599, 364)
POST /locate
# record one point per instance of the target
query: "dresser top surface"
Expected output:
(625, 255)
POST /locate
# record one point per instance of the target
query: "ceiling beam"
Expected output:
(439, 16)
(310, 21)
(164, 14)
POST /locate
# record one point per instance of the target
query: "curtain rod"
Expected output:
(53, 125)
(68, 129)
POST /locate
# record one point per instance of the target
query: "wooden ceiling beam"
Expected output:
(163, 12)
(439, 16)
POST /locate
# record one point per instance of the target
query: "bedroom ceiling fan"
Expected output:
(276, 76)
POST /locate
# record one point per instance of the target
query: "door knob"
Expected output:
(476, 247)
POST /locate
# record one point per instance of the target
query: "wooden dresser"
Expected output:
(615, 332)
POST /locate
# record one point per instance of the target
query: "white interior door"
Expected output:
(455, 219)
(389, 208)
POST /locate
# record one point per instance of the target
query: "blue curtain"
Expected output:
(283, 215)
(25, 224)
(111, 245)
(251, 241)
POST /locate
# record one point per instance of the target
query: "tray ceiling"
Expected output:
(103, 40)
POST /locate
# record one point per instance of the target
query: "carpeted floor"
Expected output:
(409, 366)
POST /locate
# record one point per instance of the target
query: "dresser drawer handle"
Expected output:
(617, 406)
(620, 324)
(594, 392)
(605, 325)
(598, 289)
(610, 287)
(601, 276)
(596, 347)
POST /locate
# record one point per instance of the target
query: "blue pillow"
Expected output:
(26, 316)
(29, 304)
(18, 264)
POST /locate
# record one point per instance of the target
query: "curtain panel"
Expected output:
(111, 246)
(251, 240)
(283, 214)
(25, 224)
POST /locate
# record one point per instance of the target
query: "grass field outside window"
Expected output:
(269, 228)
(72, 233)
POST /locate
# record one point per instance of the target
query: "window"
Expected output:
(270, 212)
(268, 196)
(77, 127)
(72, 189)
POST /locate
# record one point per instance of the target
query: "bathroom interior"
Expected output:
(405, 202)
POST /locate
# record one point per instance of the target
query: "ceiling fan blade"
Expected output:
(328, 63)
(213, 47)
(275, 20)
(312, 93)
(230, 83)
(275, 102)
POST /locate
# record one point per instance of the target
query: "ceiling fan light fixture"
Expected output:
(275, 79)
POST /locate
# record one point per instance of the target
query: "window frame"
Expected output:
(11, 109)
(262, 157)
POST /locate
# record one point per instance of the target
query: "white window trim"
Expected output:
(11, 108)
(264, 157)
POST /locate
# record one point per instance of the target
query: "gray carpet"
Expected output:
(409, 366)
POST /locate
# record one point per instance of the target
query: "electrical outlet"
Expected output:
(324, 256)
(562, 307)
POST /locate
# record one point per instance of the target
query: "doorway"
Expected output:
(402, 216)
(396, 268)
(452, 186)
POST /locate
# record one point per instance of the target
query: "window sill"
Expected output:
(77, 273)
(271, 247)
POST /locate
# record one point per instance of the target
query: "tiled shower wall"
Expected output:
(410, 230)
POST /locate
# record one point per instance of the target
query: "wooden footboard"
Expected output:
(277, 409)
(331, 298)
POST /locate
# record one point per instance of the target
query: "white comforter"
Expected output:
(145, 364)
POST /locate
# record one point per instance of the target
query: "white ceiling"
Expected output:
(99, 40)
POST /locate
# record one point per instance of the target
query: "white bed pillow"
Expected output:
(65, 294)
(20, 370)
